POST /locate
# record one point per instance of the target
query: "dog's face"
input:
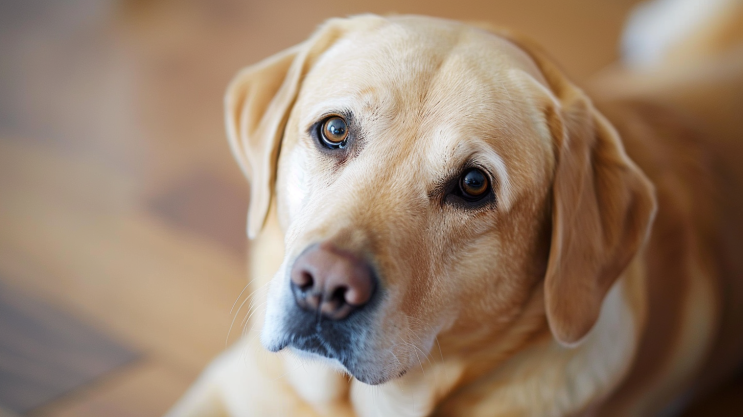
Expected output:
(414, 166)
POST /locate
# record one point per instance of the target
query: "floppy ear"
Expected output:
(602, 205)
(258, 102)
(602, 209)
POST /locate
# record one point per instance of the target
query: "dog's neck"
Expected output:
(582, 375)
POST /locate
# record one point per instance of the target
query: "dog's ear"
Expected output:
(602, 206)
(257, 104)
(602, 209)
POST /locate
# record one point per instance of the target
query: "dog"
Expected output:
(445, 225)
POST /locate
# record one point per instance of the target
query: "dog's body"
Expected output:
(464, 321)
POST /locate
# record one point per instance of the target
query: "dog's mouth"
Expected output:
(316, 345)
(343, 345)
(315, 348)
(325, 342)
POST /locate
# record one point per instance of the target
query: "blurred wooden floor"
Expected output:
(119, 201)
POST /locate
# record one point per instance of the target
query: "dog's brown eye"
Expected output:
(473, 183)
(334, 131)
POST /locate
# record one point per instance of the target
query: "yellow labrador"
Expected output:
(445, 225)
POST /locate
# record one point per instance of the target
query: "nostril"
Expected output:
(305, 281)
(338, 296)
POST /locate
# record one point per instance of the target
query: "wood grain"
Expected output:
(45, 352)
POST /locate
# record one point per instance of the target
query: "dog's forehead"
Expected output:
(420, 67)
(408, 54)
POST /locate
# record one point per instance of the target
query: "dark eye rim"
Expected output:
(319, 128)
(452, 193)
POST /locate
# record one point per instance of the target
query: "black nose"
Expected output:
(331, 282)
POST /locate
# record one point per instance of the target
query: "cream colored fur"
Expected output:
(536, 305)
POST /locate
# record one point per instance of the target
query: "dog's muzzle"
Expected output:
(335, 293)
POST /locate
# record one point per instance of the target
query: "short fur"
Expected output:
(562, 298)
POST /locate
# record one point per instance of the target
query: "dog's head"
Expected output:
(429, 178)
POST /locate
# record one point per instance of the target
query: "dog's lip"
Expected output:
(296, 343)
(343, 360)
(303, 352)
(314, 344)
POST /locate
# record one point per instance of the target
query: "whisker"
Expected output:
(229, 331)
(440, 352)
(240, 295)
(247, 321)
(232, 323)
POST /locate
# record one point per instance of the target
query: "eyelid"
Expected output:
(493, 165)
(346, 114)
(475, 164)
(326, 109)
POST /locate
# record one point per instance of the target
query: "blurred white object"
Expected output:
(656, 27)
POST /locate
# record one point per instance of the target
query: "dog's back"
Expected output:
(680, 122)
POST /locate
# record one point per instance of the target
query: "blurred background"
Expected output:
(122, 214)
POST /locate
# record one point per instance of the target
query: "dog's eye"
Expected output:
(472, 189)
(473, 184)
(334, 132)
